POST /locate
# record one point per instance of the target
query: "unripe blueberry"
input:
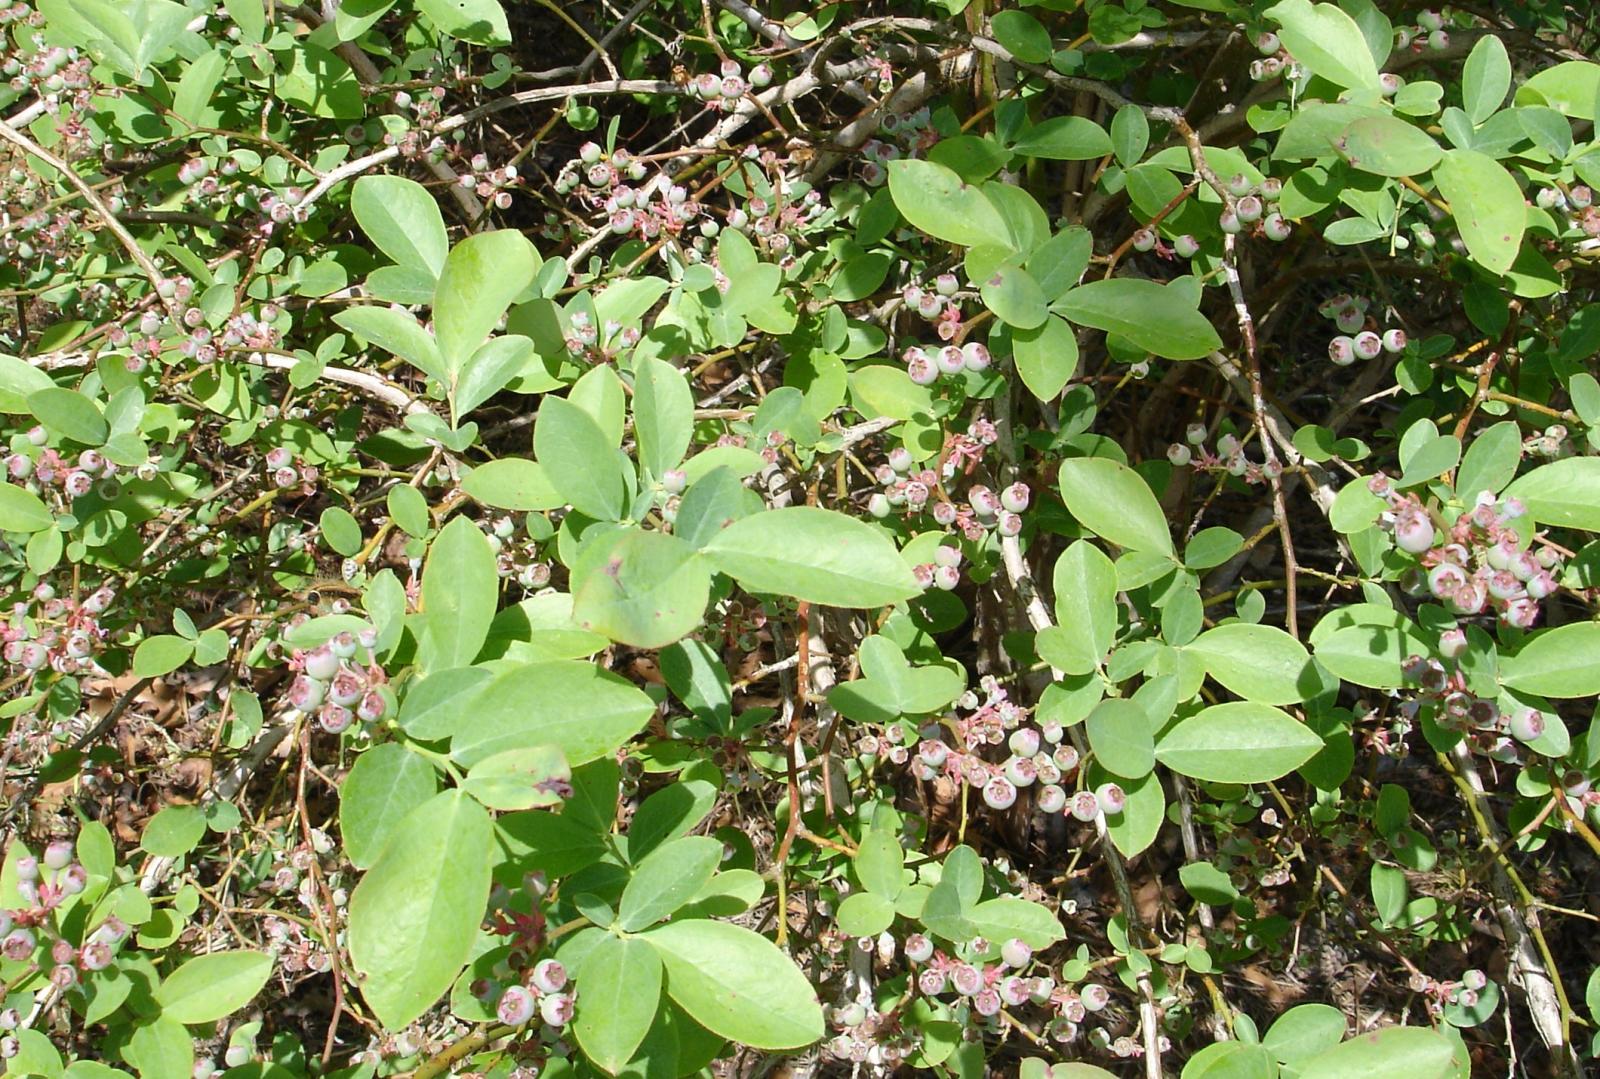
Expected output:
(373, 707)
(335, 718)
(1015, 953)
(878, 505)
(1249, 209)
(96, 955)
(1024, 742)
(1367, 345)
(1111, 798)
(922, 370)
(1179, 454)
(1009, 524)
(346, 689)
(1015, 497)
(1475, 980)
(18, 944)
(1229, 222)
(919, 949)
(1094, 996)
(945, 555)
(1438, 41)
(976, 356)
(1021, 771)
(1144, 240)
(1349, 319)
(549, 976)
(58, 855)
(951, 360)
(1452, 643)
(946, 578)
(516, 1006)
(999, 793)
(1186, 246)
(983, 501)
(1429, 19)
(1342, 351)
(1525, 725)
(900, 460)
(1413, 530)
(760, 76)
(931, 981)
(1394, 340)
(1267, 43)
(1085, 806)
(966, 979)
(1051, 798)
(306, 693)
(320, 663)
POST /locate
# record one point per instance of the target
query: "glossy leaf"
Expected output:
(208, 987)
(1114, 502)
(387, 782)
(1238, 742)
(813, 554)
(460, 590)
(1157, 318)
(1487, 206)
(737, 984)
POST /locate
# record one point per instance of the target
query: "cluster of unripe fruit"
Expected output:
(1355, 341)
(27, 933)
(940, 305)
(335, 687)
(542, 994)
(722, 91)
(492, 185)
(1577, 202)
(1480, 563)
(55, 632)
(284, 473)
(912, 490)
(926, 366)
(1253, 211)
(37, 467)
(1464, 993)
(1229, 456)
(1441, 693)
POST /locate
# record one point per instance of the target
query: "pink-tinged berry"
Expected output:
(1024, 742)
(1186, 246)
(1144, 240)
(1367, 345)
(931, 982)
(986, 1002)
(1015, 953)
(346, 689)
(335, 718)
(976, 356)
(1179, 454)
(549, 976)
(1009, 524)
(1342, 351)
(1085, 806)
(1452, 643)
(946, 578)
(373, 707)
(1413, 530)
(58, 855)
(1111, 797)
(999, 793)
(516, 1006)
(1249, 209)
(1015, 990)
(966, 979)
(919, 949)
(1051, 798)
(951, 360)
(1525, 725)
(320, 663)
(1016, 497)
(1275, 228)
(96, 955)
(306, 693)
(922, 370)
(1021, 771)
(1094, 997)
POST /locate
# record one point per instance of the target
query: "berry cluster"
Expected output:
(940, 305)
(28, 935)
(284, 473)
(38, 468)
(1349, 314)
(1480, 563)
(336, 686)
(916, 491)
(1229, 456)
(1464, 993)
(520, 987)
(492, 185)
(1254, 211)
(517, 557)
(55, 632)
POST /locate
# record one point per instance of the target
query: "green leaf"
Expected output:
(1326, 41)
(1008, 916)
(1487, 206)
(1119, 733)
(669, 813)
(402, 220)
(69, 414)
(18, 380)
(1371, 654)
(319, 83)
(1486, 78)
(1556, 662)
(1014, 297)
(192, 101)
(881, 390)
(398, 332)
(880, 862)
(1304, 1031)
(22, 511)
(1023, 36)
(1157, 318)
(663, 415)
(1433, 458)
(1564, 493)
(1388, 146)
(711, 503)
(481, 276)
(1572, 87)
(1113, 501)
(1409, 1052)
(160, 1049)
(1130, 135)
(737, 984)
(513, 483)
(813, 554)
(1238, 742)
(619, 989)
(1230, 1060)
(1491, 461)
(1259, 663)
(527, 778)
(864, 914)
(415, 915)
(481, 22)
(584, 711)
(341, 530)
(161, 654)
(1065, 138)
(490, 369)
(1085, 583)
(578, 459)
(208, 987)
(409, 509)
(646, 589)
(174, 831)
(387, 782)
(1208, 884)
(1046, 356)
(934, 199)
(668, 878)
(460, 590)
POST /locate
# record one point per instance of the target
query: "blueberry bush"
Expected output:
(1053, 538)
